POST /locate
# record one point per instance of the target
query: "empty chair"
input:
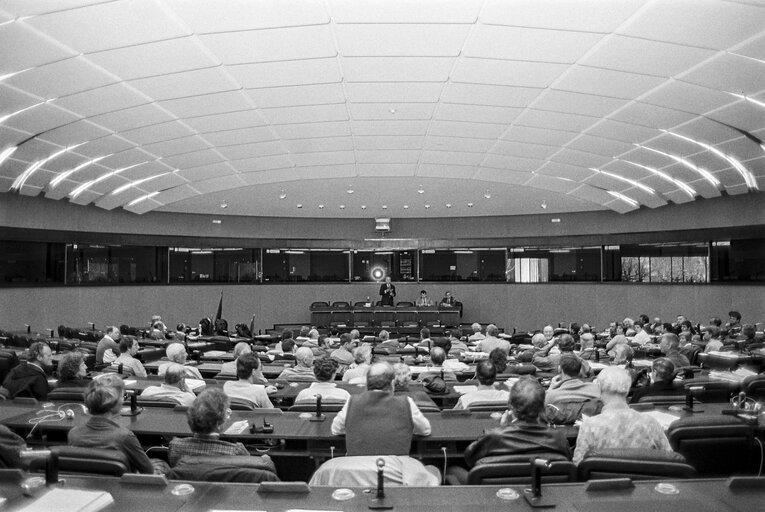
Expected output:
(634, 463)
(93, 461)
(244, 469)
(67, 395)
(754, 386)
(516, 470)
(711, 392)
(321, 314)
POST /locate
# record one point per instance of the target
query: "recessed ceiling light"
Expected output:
(448, 205)
(216, 221)
(420, 190)
(299, 205)
(543, 205)
(470, 205)
(342, 207)
(283, 195)
(350, 189)
(427, 206)
(487, 194)
(224, 205)
(321, 207)
(385, 207)
(363, 207)
(392, 110)
(406, 207)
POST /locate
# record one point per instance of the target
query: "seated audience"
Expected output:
(302, 337)
(436, 367)
(386, 342)
(618, 426)
(130, 365)
(30, 379)
(614, 342)
(72, 371)
(377, 422)
(401, 381)
(663, 382)
(425, 340)
(103, 398)
(476, 336)
(344, 355)
(357, 372)
(713, 339)
(172, 389)
(229, 367)
(641, 337)
(303, 369)
(325, 370)
(670, 347)
(458, 346)
(176, 353)
(491, 341)
(107, 349)
(568, 385)
(206, 418)
(245, 387)
(521, 433)
(278, 348)
(486, 393)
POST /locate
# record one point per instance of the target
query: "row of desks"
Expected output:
(693, 495)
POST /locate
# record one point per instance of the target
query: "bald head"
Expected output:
(304, 356)
(175, 375)
(380, 377)
(437, 356)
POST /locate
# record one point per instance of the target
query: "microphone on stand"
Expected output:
(319, 416)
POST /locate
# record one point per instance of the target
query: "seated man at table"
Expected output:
(486, 373)
(173, 389)
(278, 348)
(325, 370)
(72, 371)
(476, 336)
(357, 372)
(662, 382)
(176, 353)
(670, 347)
(568, 385)
(713, 339)
(618, 426)
(401, 382)
(377, 422)
(206, 417)
(107, 349)
(303, 369)
(491, 341)
(103, 398)
(344, 354)
(130, 365)
(521, 431)
(436, 367)
(229, 367)
(30, 379)
(458, 347)
(245, 388)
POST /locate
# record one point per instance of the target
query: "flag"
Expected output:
(219, 313)
(252, 328)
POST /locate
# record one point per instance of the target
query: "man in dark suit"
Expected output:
(387, 292)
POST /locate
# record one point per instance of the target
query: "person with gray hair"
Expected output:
(362, 357)
(618, 426)
(229, 367)
(476, 336)
(303, 369)
(377, 422)
(670, 347)
(245, 387)
(492, 341)
(176, 353)
(172, 389)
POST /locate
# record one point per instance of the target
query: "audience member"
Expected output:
(476, 336)
(357, 372)
(486, 373)
(245, 387)
(344, 355)
(325, 370)
(713, 339)
(173, 389)
(107, 349)
(663, 382)
(303, 369)
(491, 341)
(72, 371)
(436, 367)
(641, 337)
(670, 347)
(229, 367)
(30, 379)
(176, 353)
(128, 349)
(568, 385)
(618, 426)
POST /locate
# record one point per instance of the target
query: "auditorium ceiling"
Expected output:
(364, 109)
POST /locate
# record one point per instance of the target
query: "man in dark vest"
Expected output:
(377, 422)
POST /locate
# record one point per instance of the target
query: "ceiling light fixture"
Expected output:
(23, 177)
(420, 190)
(543, 205)
(743, 171)
(342, 207)
(224, 205)
(299, 205)
(487, 194)
(406, 207)
(448, 205)
(350, 189)
(427, 206)
(470, 205)
(624, 198)
(283, 195)
(6, 153)
(143, 198)
(144, 180)
(626, 180)
(363, 207)
(392, 110)
(684, 186)
(85, 186)
(64, 175)
(217, 221)
(385, 207)
(706, 174)
(321, 207)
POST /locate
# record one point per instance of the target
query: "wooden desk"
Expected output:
(696, 495)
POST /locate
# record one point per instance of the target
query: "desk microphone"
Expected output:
(533, 496)
(377, 502)
(133, 410)
(319, 416)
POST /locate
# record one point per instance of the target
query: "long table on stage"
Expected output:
(696, 495)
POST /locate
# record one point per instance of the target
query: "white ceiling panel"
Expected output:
(61, 78)
(389, 127)
(400, 156)
(445, 171)
(319, 144)
(702, 23)
(9, 136)
(396, 69)
(393, 92)
(389, 111)
(160, 58)
(41, 119)
(378, 169)
(110, 202)
(593, 195)
(23, 48)
(731, 73)
(206, 172)
(158, 132)
(678, 197)
(176, 194)
(555, 120)
(404, 40)
(310, 130)
(688, 97)
(514, 163)
(551, 183)
(631, 133)
(377, 142)
(240, 136)
(574, 157)
(528, 44)
(219, 183)
(451, 158)
(462, 129)
(737, 190)
(14, 100)
(599, 145)
(321, 158)
(599, 16)
(110, 25)
(502, 176)
(297, 95)
(570, 172)
(176, 146)
(524, 149)
(75, 133)
(263, 163)
(402, 11)
(466, 144)
(102, 100)
(105, 146)
(652, 116)
(477, 113)
(603, 82)
(276, 74)
(576, 103)
(23, 8)
(189, 83)
(481, 94)
(243, 119)
(544, 137)
(501, 72)
(131, 118)
(272, 45)
(309, 114)
(143, 206)
(253, 150)
(741, 114)
(324, 172)
(620, 206)
(208, 104)
(13, 168)
(272, 176)
(203, 16)
(195, 159)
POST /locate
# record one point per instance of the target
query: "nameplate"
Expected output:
(746, 482)
(609, 484)
(138, 479)
(284, 487)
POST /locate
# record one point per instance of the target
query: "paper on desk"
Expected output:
(131, 382)
(74, 500)
(237, 427)
(194, 384)
(596, 366)
(465, 389)
(213, 353)
(664, 419)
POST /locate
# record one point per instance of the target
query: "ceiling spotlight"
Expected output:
(385, 207)
(427, 206)
(342, 207)
(363, 207)
(487, 194)
(224, 204)
(392, 110)
(543, 205)
(406, 207)
(448, 205)
(216, 221)
(299, 205)
(350, 189)
(321, 207)
(283, 195)
(420, 190)
(470, 205)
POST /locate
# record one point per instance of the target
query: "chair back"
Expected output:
(754, 387)
(92, 461)
(634, 463)
(488, 406)
(516, 470)
(240, 404)
(244, 469)
(67, 395)
(158, 403)
(311, 407)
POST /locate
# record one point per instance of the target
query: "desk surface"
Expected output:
(696, 495)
